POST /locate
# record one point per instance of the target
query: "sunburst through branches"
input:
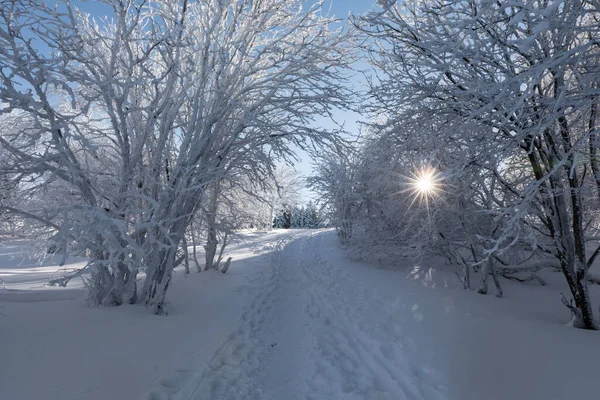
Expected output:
(424, 185)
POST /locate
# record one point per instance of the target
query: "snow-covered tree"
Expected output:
(311, 216)
(297, 217)
(282, 189)
(141, 114)
(334, 180)
(513, 82)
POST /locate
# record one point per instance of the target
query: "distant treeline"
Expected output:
(295, 217)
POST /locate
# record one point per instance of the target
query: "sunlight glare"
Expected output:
(424, 185)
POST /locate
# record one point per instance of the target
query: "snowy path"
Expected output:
(311, 334)
(293, 319)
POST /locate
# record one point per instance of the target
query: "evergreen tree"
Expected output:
(312, 217)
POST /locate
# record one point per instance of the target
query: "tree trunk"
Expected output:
(159, 277)
(194, 248)
(566, 227)
(593, 145)
(582, 298)
(221, 252)
(212, 241)
(131, 287)
(484, 271)
(186, 260)
(210, 249)
(163, 259)
(466, 275)
(496, 279)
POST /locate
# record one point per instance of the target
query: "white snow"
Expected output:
(293, 319)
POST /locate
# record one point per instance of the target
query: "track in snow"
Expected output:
(314, 332)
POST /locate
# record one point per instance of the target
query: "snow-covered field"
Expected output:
(292, 319)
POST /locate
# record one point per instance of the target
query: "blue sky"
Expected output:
(339, 8)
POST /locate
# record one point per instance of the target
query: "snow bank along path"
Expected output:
(314, 332)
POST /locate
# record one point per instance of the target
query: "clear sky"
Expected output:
(341, 9)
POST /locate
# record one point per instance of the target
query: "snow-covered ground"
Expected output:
(292, 319)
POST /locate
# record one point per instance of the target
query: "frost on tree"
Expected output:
(334, 179)
(137, 116)
(512, 87)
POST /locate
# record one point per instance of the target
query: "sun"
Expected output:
(423, 185)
